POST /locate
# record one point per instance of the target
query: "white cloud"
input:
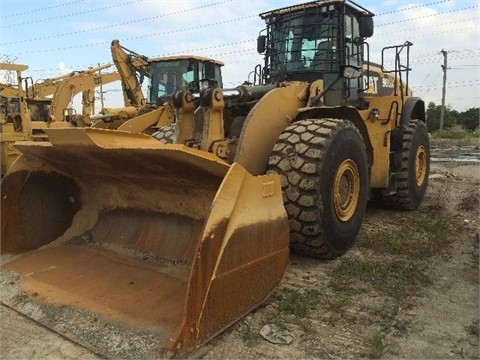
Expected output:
(63, 68)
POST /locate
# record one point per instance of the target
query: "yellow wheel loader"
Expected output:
(140, 248)
(166, 75)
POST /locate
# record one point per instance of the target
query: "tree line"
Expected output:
(468, 120)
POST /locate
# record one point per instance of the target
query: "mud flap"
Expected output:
(159, 247)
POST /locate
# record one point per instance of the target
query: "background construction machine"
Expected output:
(187, 236)
(166, 75)
(61, 90)
(27, 108)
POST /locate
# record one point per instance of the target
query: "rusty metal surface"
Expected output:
(154, 237)
(241, 258)
(110, 284)
(76, 180)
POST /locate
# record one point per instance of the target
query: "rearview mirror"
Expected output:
(261, 44)
(365, 24)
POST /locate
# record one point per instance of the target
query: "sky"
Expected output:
(55, 37)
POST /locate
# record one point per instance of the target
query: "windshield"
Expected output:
(305, 42)
(166, 77)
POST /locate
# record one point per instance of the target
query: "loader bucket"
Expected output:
(135, 248)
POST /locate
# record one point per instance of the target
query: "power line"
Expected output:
(52, 71)
(429, 87)
(453, 84)
(427, 16)
(413, 7)
(426, 26)
(118, 24)
(196, 28)
(420, 59)
(417, 35)
(429, 60)
(146, 19)
(71, 14)
(426, 59)
(141, 36)
(41, 9)
(458, 54)
(202, 49)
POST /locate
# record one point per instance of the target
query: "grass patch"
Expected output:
(397, 278)
(473, 329)
(339, 304)
(377, 345)
(457, 133)
(421, 236)
(470, 202)
(299, 303)
(336, 308)
(248, 335)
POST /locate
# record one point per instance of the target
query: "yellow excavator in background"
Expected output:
(27, 109)
(62, 89)
(142, 248)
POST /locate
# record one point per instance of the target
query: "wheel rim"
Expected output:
(420, 165)
(346, 190)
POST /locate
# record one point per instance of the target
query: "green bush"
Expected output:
(468, 120)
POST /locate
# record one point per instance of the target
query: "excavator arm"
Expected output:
(83, 82)
(48, 87)
(64, 88)
(128, 64)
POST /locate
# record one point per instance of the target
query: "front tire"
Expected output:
(324, 170)
(165, 134)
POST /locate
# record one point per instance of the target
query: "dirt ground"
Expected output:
(409, 288)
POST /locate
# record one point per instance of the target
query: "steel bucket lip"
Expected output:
(82, 140)
(230, 230)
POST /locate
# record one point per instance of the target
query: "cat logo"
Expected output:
(371, 84)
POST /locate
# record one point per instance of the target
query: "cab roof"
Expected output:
(185, 57)
(313, 4)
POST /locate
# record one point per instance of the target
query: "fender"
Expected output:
(264, 124)
(414, 108)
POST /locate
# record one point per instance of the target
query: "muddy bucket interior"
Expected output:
(158, 243)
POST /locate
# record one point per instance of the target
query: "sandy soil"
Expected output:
(437, 316)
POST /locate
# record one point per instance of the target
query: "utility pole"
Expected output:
(444, 88)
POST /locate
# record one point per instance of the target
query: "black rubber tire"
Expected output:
(309, 155)
(165, 134)
(235, 128)
(412, 176)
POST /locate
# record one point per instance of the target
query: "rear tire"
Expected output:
(165, 134)
(412, 175)
(324, 170)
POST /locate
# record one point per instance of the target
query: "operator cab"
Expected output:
(318, 40)
(170, 74)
